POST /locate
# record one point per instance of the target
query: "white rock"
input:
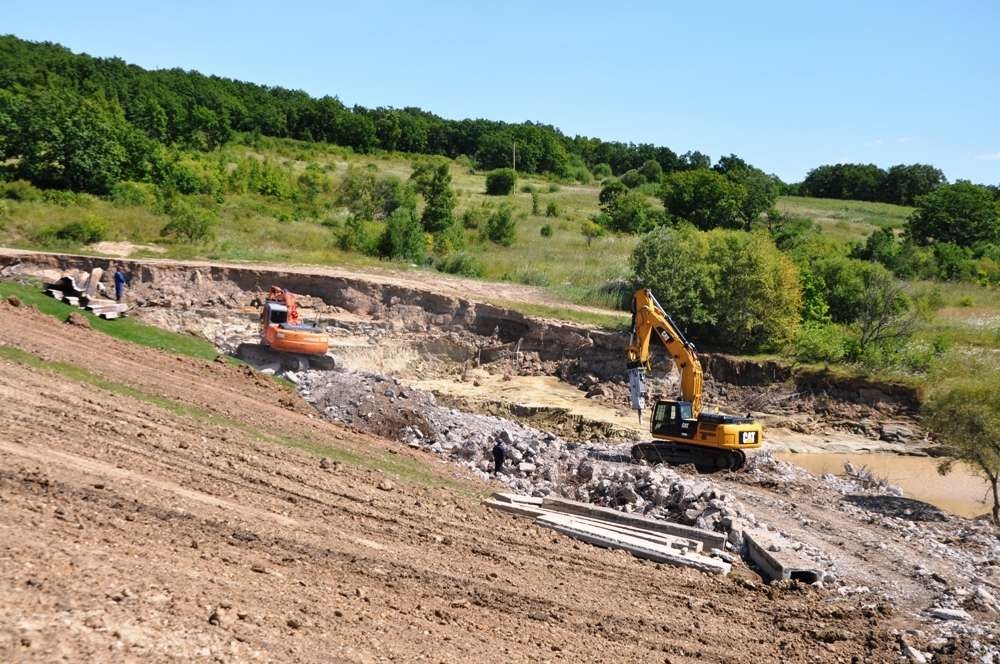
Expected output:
(949, 614)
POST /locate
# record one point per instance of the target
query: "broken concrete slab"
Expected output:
(603, 537)
(776, 561)
(507, 497)
(518, 509)
(708, 539)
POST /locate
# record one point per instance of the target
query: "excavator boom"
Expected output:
(649, 320)
(681, 432)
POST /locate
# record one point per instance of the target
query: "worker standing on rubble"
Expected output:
(119, 283)
(499, 455)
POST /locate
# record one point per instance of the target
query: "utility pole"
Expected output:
(514, 158)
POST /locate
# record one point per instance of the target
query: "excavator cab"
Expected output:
(275, 314)
(674, 418)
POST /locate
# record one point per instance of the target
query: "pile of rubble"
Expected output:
(539, 463)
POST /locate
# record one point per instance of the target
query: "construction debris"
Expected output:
(87, 295)
(776, 560)
(643, 538)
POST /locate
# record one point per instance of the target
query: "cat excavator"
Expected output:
(285, 339)
(682, 432)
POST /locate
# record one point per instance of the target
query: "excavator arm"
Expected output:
(649, 320)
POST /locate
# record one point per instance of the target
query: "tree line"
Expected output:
(54, 104)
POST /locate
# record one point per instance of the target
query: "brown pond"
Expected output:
(960, 492)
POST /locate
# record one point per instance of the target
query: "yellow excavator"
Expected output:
(682, 432)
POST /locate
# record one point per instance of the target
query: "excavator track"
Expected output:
(258, 355)
(705, 459)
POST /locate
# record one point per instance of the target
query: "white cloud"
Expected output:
(988, 156)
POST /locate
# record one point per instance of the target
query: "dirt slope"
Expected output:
(156, 508)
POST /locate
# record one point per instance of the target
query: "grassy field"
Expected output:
(845, 221)
(257, 228)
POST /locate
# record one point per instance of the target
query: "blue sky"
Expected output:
(785, 85)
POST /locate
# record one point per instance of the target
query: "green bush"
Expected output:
(475, 217)
(602, 170)
(546, 230)
(530, 277)
(460, 263)
(139, 194)
(21, 190)
(88, 231)
(500, 181)
(731, 287)
(534, 204)
(403, 237)
(189, 223)
(528, 189)
(553, 188)
(552, 209)
(632, 178)
(819, 342)
(501, 226)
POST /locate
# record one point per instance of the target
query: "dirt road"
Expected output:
(161, 508)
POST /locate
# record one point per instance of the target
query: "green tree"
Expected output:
(433, 180)
(500, 181)
(760, 189)
(501, 226)
(674, 262)
(189, 223)
(591, 230)
(403, 237)
(704, 198)
(903, 184)
(883, 322)
(962, 213)
(962, 408)
(757, 299)
(651, 170)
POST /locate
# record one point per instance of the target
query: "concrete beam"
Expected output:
(709, 539)
(640, 548)
(775, 560)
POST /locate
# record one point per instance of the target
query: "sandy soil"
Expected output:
(169, 514)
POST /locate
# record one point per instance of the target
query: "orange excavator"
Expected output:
(285, 339)
(682, 432)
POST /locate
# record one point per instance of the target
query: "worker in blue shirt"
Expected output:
(119, 283)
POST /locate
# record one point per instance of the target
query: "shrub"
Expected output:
(819, 342)
(732, 287)
(546, 230)
(528, 189)
(553, 188)
(403, 237)
(461, 263)
(530, 277)
(138, 194)
(21, 190)
(475, 217)
(189, 223)
(601, 170)
(633, 179)
(500, 181)
(552, 209)
(501, 226)
(534, 203)
(65, 198)
(88, 231)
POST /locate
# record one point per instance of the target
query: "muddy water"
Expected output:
(960, 492)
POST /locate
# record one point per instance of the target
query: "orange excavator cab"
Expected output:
(285, 339)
